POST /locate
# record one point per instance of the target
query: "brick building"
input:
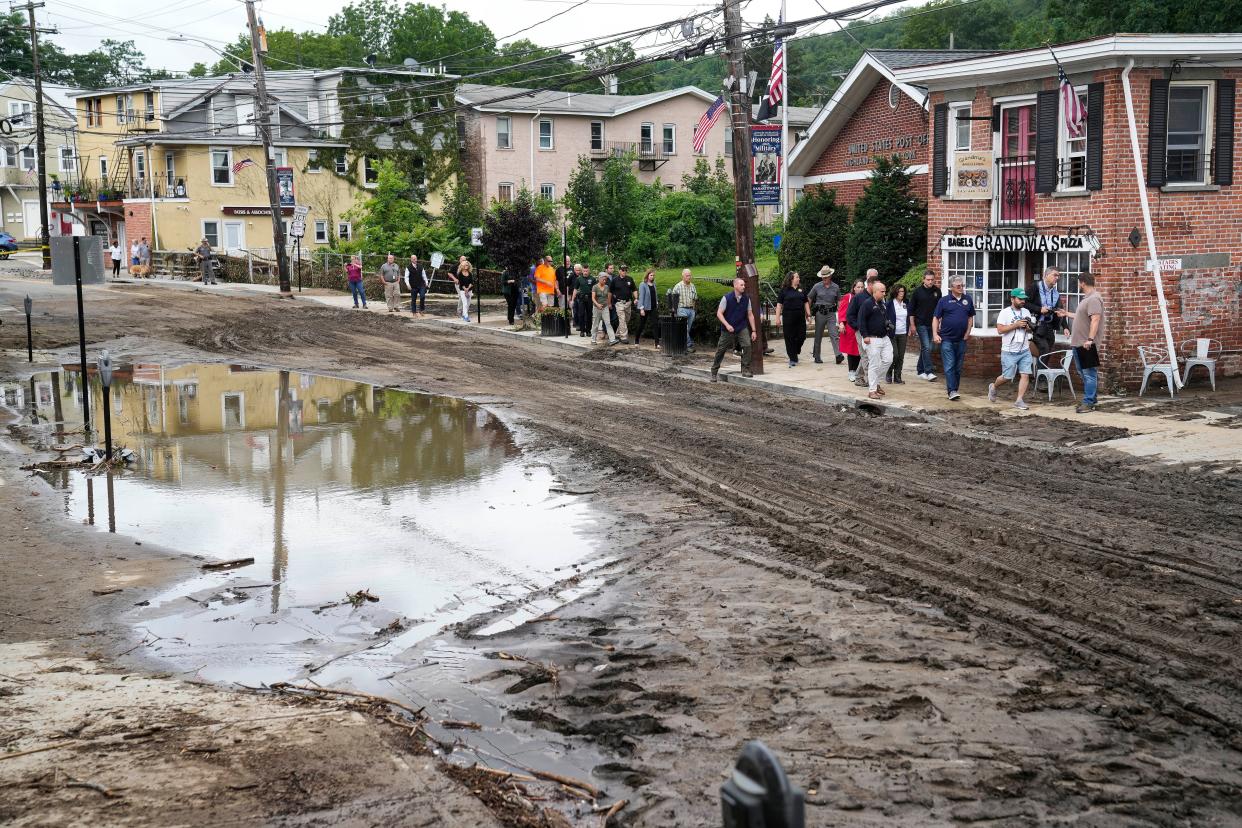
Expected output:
(872, 113)
(1012, 192)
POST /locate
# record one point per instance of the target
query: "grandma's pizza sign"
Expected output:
(1007, 243)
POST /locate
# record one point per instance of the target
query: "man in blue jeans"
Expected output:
(923, 303)
(951, 324)
(687, 296)
(1084, 336)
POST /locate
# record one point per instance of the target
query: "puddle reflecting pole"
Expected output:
(105, 377)
(77, 280)
(111, 506)
(90, 501)
(29, 338)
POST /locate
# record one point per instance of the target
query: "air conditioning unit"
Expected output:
(191, 390)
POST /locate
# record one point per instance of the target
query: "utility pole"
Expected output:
(743, 211)
(40, 143)
(263, 122)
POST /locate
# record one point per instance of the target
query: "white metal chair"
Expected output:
(1204, 352)
(1156, 361)
(1045, 371)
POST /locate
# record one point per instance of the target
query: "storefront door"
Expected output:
(1017, 165)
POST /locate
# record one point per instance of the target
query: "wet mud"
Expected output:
(929, 624)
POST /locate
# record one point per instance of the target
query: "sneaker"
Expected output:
(1021, 405)
(818, 361)
(714, 377)
(1084, 409)
(840, 358)
(930, 377)
(852, 376)
(615, 342)
(953, 395)
(991, 392)
(747, 374)
(792, 363)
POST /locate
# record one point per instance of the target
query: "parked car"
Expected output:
(7, 245)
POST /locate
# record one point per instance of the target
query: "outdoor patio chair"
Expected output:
(1203, 352)
(1045, 371)
(1156, 361)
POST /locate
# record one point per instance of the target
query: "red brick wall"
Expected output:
(138, 222)
(875, 121)
(1201, 303)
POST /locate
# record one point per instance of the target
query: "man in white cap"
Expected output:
(824, 298)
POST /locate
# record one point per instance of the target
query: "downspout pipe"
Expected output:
(1151, 236)
(533, 118)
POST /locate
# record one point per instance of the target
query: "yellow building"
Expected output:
(167, 160)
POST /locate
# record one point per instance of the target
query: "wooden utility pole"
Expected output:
(263, 123)
(40, 142)
(743, 210)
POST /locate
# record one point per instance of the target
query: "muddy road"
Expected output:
(1057, 631)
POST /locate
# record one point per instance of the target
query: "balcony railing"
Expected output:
(645, 152)
(1187, 166)
(1015, 191)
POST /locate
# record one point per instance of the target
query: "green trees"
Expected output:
(516, 232)
(815, 234)
(889, 228)
(683, 228)
(391, 222)
(602, 209)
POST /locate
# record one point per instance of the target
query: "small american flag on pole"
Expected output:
(1072, 110)
(705, 124)
(771, 101)
(242, 164)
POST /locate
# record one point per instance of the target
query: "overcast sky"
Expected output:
(149, 23)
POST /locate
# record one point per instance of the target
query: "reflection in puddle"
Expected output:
(332, 486)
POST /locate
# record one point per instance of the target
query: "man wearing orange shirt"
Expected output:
(545, 282)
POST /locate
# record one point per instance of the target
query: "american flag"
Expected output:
(709, 119)
(242, 164)
(1071, 107)
(771, 101)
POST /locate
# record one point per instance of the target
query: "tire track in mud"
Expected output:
(1134, 579)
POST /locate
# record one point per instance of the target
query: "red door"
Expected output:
(1017, 165)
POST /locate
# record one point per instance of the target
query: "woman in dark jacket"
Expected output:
(900, 321)
(796, 311)
(512, 290)
(648, 310)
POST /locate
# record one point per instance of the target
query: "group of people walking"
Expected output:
(416, 277)
(870, 327)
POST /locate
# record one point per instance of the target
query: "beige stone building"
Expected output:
(19, 187)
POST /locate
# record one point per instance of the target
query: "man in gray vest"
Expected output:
(737, 327)
(824, 298)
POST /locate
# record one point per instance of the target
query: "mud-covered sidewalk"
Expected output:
(933, 621)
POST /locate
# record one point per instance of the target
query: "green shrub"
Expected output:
(912, 279)
(889, 224)
(684, 229)
(815, 235)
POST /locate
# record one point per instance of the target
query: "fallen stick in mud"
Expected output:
(285, 687)
(568, 781)
(503, 774)
(222, 565)
(609, 811)
(454, 724)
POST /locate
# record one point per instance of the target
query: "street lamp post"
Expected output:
(29, 336)
(105, 377)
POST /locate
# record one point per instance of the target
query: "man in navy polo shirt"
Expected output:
(737, 327)
(951, 324)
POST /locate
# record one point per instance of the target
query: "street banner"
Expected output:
(765, 164)
(476, 236)
(284, 186)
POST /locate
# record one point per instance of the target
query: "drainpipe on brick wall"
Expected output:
(1151, 236)
(533, 118)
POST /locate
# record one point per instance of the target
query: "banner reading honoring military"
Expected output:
(284, 186)
(765, 164)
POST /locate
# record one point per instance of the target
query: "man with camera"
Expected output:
(1016, 326)
(824, 299)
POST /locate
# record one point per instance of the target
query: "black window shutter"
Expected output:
(1046, 141)
(1157, 132)
(940, 136)
(1222, 150)
(1095, 136)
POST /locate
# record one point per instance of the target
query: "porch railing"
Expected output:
(1015, 191)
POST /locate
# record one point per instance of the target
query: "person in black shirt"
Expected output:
(564, 279)
(851, 319)
(512, 290)
(623, 290)
(873, 330)
(922, 306)
(794, 309)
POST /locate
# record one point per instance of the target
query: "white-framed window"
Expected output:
(370, 171)
(547, 192)
(961, 127)
(341, 163)
(233, 410)
(597, 136)
(728, 146)
(280, 157)
(211, 232)
(646, 138)
(90, 104)
(19, 108)
(344, 230)
(668, 139)
(245, 116)
(68, 161)
(149, 105)
(546, 141)
(1072, 154)
(29, 158)
(988, 276)
(221, 167)
(120, 110)
(1189, 131)
(1071, 265)
(140, 167)
(312, 161)
(504, 132)
(504, 193)
(321, 231)
(103, 168)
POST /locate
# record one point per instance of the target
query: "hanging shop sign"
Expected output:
(972, 175)
(765, 164)
(284, 186)
(1021, 243)
(255, 211)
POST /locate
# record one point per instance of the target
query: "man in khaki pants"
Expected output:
(390, 275)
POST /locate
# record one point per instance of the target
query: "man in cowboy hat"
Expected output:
(824, 298)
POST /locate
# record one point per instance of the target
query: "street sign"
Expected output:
(90, 251)
(297, 227)
(437, 259)
(476, 236)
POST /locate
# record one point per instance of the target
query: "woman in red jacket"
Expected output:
(849, 342)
